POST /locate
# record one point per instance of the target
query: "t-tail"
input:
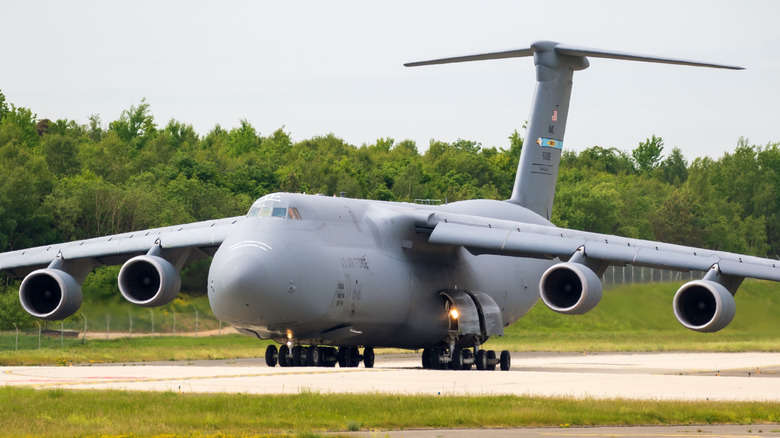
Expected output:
(537, 172)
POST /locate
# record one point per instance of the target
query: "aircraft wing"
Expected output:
(205, 237)
(539, 241)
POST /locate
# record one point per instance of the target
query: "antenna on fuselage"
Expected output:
(537, 171)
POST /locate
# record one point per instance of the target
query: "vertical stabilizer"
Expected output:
(537, 172)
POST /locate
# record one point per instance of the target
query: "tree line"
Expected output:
(62, 180)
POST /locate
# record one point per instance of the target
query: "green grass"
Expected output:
(138, 349)
(72, 413)
(639, 317)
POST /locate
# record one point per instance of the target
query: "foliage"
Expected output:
(62, 180)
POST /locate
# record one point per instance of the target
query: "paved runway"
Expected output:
(667, 376)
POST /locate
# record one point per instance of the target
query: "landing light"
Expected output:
(454, 313)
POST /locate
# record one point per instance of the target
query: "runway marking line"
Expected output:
(104, 380)
(649, 435)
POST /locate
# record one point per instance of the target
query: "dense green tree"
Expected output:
(674, 169)
(135, 126)
(3, 106)
(648, 154)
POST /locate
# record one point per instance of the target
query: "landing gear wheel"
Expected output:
(426, 358)
(330, 357)
(491, 356)
(355, 357)
(481, 360)
(368, 357)
(270, 356)
(436, 363)
(457, 359)
(467, 355)
(340, 357)
(298, 356)
(506, 361)
(284, 360)
(314, 356)
(346, 357)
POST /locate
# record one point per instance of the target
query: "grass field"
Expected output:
(28, 412)
(639, 317)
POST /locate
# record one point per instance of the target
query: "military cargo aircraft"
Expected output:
(323, 276)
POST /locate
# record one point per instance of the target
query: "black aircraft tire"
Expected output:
(298, 356)
(368, 357)
(344, 356)
(314, 356)
(426, 358)
(270, 356)
(284, 351)
(345, 360)
(331, 356)
(491, 355)
(506, 361)
(481, 360)
(467, 354)
(436, 363)
(355, 357)
(457, 359)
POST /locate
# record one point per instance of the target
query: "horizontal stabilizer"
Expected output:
(481, 57)
(569, 50)
(565, 49)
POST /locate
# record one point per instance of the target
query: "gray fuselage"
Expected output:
(348, 272)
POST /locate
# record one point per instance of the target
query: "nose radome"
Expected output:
(238, 281)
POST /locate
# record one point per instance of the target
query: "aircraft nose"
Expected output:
(237, 282)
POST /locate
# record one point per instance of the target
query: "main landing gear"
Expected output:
(299, 356)
(443, 358)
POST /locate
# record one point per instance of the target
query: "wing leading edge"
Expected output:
(115, 249)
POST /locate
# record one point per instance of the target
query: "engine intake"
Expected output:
(50, 294)
(704, 306)
(149, 281)
(570, 288)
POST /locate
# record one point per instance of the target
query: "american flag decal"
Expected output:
(555, 116)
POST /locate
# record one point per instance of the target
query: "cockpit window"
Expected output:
(269, 207)
(259, 211)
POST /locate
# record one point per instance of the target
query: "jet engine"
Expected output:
(149, 281)
(704, 306)
(50, 294)
(570, 288)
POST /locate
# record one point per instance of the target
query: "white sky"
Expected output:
(316, 67)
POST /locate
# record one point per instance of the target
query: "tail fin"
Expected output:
(537, 172)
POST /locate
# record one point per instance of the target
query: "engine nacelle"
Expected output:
(50, 294)
(149, 281)
(704, 306)
(570, 288)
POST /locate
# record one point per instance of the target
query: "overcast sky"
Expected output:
(316, 67)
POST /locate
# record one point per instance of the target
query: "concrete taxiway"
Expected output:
(661, 376)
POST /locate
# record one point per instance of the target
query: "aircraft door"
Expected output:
(477, 313)
(492, 323)
(462, 314)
